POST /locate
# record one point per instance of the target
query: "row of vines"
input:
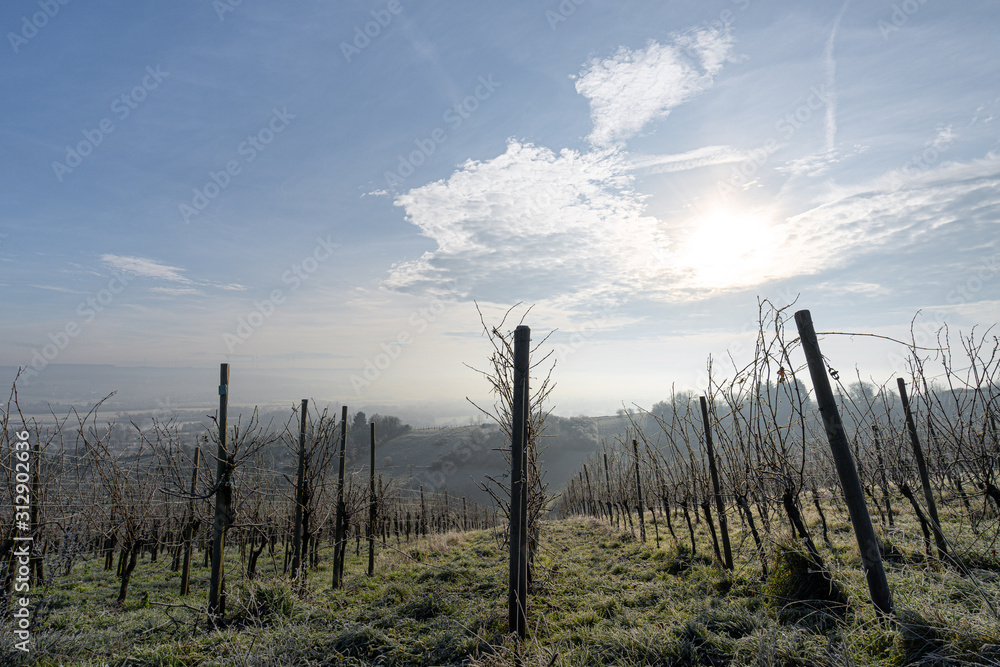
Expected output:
(125, 494)
(753, 450)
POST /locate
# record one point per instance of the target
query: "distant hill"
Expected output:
(460, 457)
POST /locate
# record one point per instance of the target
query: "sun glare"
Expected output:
(727, 248)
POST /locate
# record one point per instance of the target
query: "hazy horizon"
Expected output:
(329, 190)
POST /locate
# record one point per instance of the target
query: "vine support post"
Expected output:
(918, 454)
(719, 504)
(339, 540)
(638, 492)
(223, 504)
(371, 506)
(518, 580)
(300, 487)
(871, 557)
(189, 528)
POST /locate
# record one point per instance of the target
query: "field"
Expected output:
(724, 529)
(599, 598)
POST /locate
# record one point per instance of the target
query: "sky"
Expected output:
(335, 186)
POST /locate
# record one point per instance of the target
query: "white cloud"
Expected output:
(632, 88)
(568, 221)
(175, 291)
(567, 229)
(919, 172)
(831, 84)
(706, 156)
(145, 268)
(854, 287)
(54, 288)
(148, 268)
(882, 214)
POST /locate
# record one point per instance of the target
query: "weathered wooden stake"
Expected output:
(189, 528)
(638, 492)
(854, 496)
(37, 565)
(223, 504)
(422, 529)
(918, 454)
(719, 504)
(607, 489)
(517, 602)
(339, 541)
(687, 517)
(300, 486)
(371, 508)
(883, 478)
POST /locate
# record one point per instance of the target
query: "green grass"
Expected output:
(599, 598)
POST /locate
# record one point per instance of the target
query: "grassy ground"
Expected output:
(600, 598)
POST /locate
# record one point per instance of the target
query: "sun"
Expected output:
(726, 248)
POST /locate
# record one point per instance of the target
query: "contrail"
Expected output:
(831, 71)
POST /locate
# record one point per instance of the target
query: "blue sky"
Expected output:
(331, 185)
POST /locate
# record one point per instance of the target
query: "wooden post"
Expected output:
(719, 504)
(607, 488)
(422, 529)
(37, 567)
(371, 508)
(884, 478)
(300, 487)
(638, 492)
(854, 496)
(517, 602)
(590, 492)
(223, 504)
(189, 528)
(339, 540)
(918, 454)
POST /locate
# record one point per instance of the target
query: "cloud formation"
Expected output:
(568, 227)
(145, 268)
(531, 214)
(632, 88)
(705, 156)
(567, 221)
